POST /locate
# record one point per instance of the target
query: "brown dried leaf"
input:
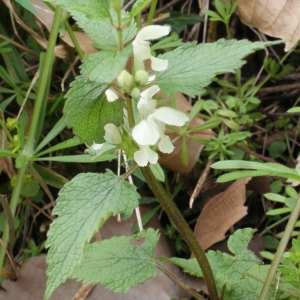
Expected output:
(277, 18)
(220, 213)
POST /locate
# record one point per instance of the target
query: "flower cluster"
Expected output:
(149, 133)
(151, 129)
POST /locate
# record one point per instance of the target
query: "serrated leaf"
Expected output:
(93, 9)
(105, 66)
(120, 262)
(84, 204)
(227, 269)
(192, 67)
(88, 110)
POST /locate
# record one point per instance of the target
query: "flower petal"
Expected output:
(158, 64)
(96, 146)
(111, 95)
(145, 155)
(152, 156)
(145, 133)
(150, 92)
(170, 116)
(146, 107)
(165, 145)
(152, 32)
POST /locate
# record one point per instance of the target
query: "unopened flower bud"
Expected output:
(125, 80)
(141, 77)
(114, 133)
(11, 123)
(135, 93)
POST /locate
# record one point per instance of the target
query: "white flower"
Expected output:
(145, 155)
(114, 134)
(151, 128)
(111, 95)
(141, 47)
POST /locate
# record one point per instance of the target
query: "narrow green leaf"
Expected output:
(278, 211)
(138, 6)
(88, 110)
(27, 5)
(84, 204)
(63, 145)
(120, 262)
(58, 127)
(83, 158)
(192, 67)
(7, 153)
(294, 110)
(113, 63)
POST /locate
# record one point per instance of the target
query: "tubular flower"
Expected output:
(141, 47)
(150, 130)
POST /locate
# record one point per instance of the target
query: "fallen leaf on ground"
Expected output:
(32, 276)
(277, 18)
(220, 213)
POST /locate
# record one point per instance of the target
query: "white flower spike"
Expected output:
(141, 47)
(150, 130)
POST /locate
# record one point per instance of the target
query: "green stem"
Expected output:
(151, 12)
(15, 198)
(74, 40)
(46, 75)
(280, 250)
(28, 149)
(183, 228)
(120, 33)
(131, 120)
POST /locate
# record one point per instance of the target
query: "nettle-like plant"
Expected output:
(112, 107)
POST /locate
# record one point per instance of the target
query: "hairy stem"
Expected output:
(183, 228)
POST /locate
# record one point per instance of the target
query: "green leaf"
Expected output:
(84, 204)
(98, 21)
(82, 158)
(120, 262)
(227, 269)
(27, 5)
(192, 67)
(7, 153)
(263, 169)
(105, 66)
(294, 110)
(88, 110)
(138, 6)
(93, 9)
(57, 128)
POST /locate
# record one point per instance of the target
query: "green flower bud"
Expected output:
(135, 93)
(141, 77)
(125, 80)
(11, 123)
